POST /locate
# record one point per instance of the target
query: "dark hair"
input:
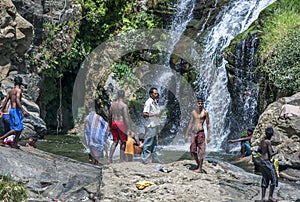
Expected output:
(18, 80)
(121, 94)
(152, 89)
(200, 100)
(269, 132)
(251, 129)
(34, 138)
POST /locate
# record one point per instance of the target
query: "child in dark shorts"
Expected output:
(267, 167)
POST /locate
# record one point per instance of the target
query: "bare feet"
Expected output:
(198, 171)
(272, 200)
(240, 158)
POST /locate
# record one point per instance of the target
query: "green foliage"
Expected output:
(112, 17)
(123, 74)
(279, 48)
(101, 20)
(11, 191)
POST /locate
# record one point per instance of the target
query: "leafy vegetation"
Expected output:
(11, 191)
(59, 62)
(279, 53)
(104, 19)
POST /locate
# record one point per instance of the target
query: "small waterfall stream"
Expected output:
(245, 87)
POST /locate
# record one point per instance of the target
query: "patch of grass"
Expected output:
(11, 191)
(279, 53)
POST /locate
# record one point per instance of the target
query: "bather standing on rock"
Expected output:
(198, 145)
(151, 113)
(267, 167)
(16, 112)
(119, 125)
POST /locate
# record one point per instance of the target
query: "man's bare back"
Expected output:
(16, 111)
(14, 96)
(119, 111)
(13, 100)
(266, 150)
(119, 125)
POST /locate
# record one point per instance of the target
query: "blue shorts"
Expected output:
(248, 151)
(16, 119)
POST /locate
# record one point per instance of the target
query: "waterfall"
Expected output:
(244, 110)
(167, 80)
(233, 19)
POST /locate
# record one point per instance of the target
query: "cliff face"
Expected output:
(16, 35)
(22, 40)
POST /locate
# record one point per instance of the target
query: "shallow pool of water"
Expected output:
(71, 146)
(65, 145)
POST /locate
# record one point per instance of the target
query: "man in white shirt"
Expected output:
(151, 113)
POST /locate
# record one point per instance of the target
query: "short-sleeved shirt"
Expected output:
(152, 107)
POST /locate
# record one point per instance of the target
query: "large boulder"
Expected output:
(34, 125)
(49, 177)
(286, 137)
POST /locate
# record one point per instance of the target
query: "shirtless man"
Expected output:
(267, 167)
(198, 145)
(16, 112)
(119, 125)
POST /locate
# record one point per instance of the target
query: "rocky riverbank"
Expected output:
(222, 182)
(49, 177)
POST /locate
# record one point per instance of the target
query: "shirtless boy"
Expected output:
(267, 167)
(16, 111)
(119, 125)
(198, 145)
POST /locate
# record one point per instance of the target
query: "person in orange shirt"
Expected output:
(132, 140)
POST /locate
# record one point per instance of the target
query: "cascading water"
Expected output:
(168, 81)
(235, 18)
(245, 88)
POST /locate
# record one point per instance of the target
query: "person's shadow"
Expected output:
(191, 166)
